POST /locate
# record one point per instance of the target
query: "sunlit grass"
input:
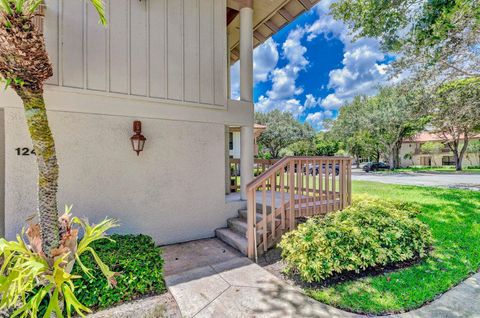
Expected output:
(454, 218)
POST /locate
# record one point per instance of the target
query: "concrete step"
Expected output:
(242, 213)
(233, 239)
(238, 225)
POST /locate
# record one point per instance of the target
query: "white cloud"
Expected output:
(363, 67)
(315, 119)
(265, 59)
(284, 88)
(235, 81)
(292, 105)
(331, 102)
(294, 51)
(363, 70)
(328, 114)
(311, 101)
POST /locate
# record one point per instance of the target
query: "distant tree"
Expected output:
(473, 150)
(436, 37)
(473, 146)
(303, 148)
(455, 113)
(262, 153)
(377, 125)
(432, 147)
(325, 145)
(351, 133)
(390, 117)
(282, 130)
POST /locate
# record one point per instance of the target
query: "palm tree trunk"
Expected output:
(44, 146)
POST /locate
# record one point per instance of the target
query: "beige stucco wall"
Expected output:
(470, 159)
(407, 148)
(174, 191)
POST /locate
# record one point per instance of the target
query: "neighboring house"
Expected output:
(413, 154)
(165, 63)
(234, 140)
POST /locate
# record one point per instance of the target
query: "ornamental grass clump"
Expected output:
(370, 233)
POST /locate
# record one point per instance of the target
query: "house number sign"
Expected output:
(25, 151)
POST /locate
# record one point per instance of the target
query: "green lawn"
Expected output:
(454, 218)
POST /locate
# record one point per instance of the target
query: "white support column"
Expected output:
(246, 94)
(246, 52)
(227, 160)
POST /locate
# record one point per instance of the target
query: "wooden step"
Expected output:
(233, 239)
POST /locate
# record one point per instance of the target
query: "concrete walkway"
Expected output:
(209, 279)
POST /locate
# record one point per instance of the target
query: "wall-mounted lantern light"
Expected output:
(138, 140)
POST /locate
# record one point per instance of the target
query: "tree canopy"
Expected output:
(455, 114)
(370, 126)
(283, 129)
(431, 37)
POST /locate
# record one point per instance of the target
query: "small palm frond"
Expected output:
(5, 6)
(34, 6)
(92, 234)
(100, 7)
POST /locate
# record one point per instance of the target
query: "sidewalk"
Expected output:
(209, 279)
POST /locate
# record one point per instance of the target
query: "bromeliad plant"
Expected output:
(30, 277)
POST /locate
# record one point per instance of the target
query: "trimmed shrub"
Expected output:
(369, 233)
(137, 261)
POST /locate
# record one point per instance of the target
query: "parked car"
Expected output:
(375, 166)
(317, 169)
(324, 168)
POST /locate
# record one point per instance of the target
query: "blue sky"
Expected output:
(312, 67)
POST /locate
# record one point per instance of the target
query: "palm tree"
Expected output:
(25, 66)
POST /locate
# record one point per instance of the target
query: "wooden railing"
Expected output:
(293, 189)
(260, 166)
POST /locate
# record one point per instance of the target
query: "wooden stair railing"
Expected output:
(260, 166)
(293, 188)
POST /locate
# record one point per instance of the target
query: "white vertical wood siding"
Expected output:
(162, 49)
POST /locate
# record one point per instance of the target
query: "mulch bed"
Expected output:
(273, 262)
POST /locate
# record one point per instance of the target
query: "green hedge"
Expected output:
(138, 262)
(371, 232)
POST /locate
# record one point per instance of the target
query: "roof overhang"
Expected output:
(269, 17)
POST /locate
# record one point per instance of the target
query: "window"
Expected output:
(230, 140)
(448, 161)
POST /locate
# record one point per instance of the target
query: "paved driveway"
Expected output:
(460, 181)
